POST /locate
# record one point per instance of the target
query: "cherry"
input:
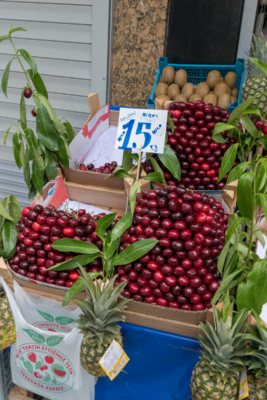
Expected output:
(183, 280)
(27, 92)
(68, 232)
(160, 301)
(213, 286)
(188, 291)
(207, 296)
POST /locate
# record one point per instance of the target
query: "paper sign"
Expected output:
(146, 128)
(54, 193)
(114, 360)
(243, 386)
(84, 140)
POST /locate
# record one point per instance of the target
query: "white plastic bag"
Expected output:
(48, 363)
(44, 313)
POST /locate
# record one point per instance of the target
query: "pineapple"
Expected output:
(98, 322)
(256, 81)
(7, 323)
(257, 372)
(216, 375)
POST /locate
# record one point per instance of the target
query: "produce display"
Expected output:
(108, 168)
(199, 155)
(173, 86)
(181, 270)
(40, 227)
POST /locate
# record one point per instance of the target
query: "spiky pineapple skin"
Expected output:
(91, 354)
(7, 323)
(255, 86)
(204, 386)
(257, 387)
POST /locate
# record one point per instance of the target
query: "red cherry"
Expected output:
(27, 92)
(160, 301)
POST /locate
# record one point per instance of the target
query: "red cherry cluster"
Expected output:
(40, 227)
(261, 127)
(181, 270)
(199, 156)
(108, 168)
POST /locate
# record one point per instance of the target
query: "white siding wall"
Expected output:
(59, 36)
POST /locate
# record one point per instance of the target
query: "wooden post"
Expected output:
(139, 163)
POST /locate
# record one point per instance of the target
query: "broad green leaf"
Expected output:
(153, 177)
(2, 38)
(245, 200)
(218, 128)
(37, 178)
(14, 208)
(38, 83)
(43, 101)
(32, 191)
(263, 200)
(241, 297)
(23, 116)
(121, 173)
(38, 158)
(103, 224)
(170, 160)
(62, 152)
(170, 122)
(21, 154)
(224, 287)
(45, 128)
(261, 178)
(259, 64)
(51, 166)
(237, 172)
(6, 134)
(9, 236)
(126, 161)
(134, 189)
(16, 147)
(30, 137)
(249, 125)
(6, 76)
(241, 108)
(26, 170)
(16, 30)
(256, 231)
(121, 226)
(262, 140)
(74, 262)
(76, 288)
(27, 57)
(228, 161)
(134, 252)
(70, 133)
(252, 110)
(4, 213)
(75, 246)
(158, 169)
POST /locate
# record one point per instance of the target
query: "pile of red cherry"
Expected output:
(200, 157)
(181, 270)
(108, 168)
(38, 228)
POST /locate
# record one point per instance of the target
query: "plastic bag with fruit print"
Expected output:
(48, 363)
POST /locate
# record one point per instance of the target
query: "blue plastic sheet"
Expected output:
(160, 367)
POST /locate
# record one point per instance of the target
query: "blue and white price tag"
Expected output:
(145, 128)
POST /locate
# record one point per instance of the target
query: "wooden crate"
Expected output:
(19, 393)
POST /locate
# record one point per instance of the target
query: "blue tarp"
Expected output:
(160, 367)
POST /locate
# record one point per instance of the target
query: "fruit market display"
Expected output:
(40, 227)
(181, 270)
(173, 86)
(108, 168)
(199, 155)
(7, 323)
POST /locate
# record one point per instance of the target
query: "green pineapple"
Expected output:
(216, 375)
(7, 323)
(256, 81)
(98, 323)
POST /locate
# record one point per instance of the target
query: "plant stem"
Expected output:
(25, 72)
(253, 214)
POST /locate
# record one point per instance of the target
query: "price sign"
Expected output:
(145, 128)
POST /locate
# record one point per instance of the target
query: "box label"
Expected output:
(114, 360)
(243, 385)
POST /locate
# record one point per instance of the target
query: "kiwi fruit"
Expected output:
(213, 78)
(181, 97)
(180, 78)
(160, 80)
(161, 88)
(173, 90)
(168, 75)
(233, 99)
(202, 89)
(211, 92)
(210, 98)
(235, 92)
(194, 97)
(224, 101)
(221, 88)
(188, 89)
(230, 79)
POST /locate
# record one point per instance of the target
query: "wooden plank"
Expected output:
(24, 392)
(15, 395)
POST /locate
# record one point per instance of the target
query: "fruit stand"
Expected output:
(125, 270)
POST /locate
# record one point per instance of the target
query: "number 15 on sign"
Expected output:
(141, 128)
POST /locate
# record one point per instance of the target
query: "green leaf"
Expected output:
(237, 172)
(158, 169)
(30, 137)
(38, 83)
(26, 170)
(234, 225)
(244, 195)
(69, 133)
(4, 213)
(224, 287)
(228, 160)
(121, 226)
(74, 262)
(134, 252)
(16, 30)
(6, 76)
(121, 173)
(23, 117)
(218, 128)
(6, 134)
(45, 128)
(32, 191)
(2, 38)
(76, 288)
(21, 154)
(27, 57)
(249, 125)
(62, 153)
(9, 236)
(51, 166)
(37, 178)
(252, 110)
(41, 100)
(153, 177)
(14, 208)
(127, 161)
(261, 177)
(134, 189)
(263, 200)
(241, 108)
(256, 231)
(170, 160)
(16, 147)
(259, 64)
(103, 224)
(170, 122)
(75, 246)
(262, 140)
(38, 158)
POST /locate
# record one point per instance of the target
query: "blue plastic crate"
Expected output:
(198, 73)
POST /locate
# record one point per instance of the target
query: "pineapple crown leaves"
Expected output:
(258, 347)
(258, 49)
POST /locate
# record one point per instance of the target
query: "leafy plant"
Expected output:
(109, 254)
(9, 216)
(53, 135)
